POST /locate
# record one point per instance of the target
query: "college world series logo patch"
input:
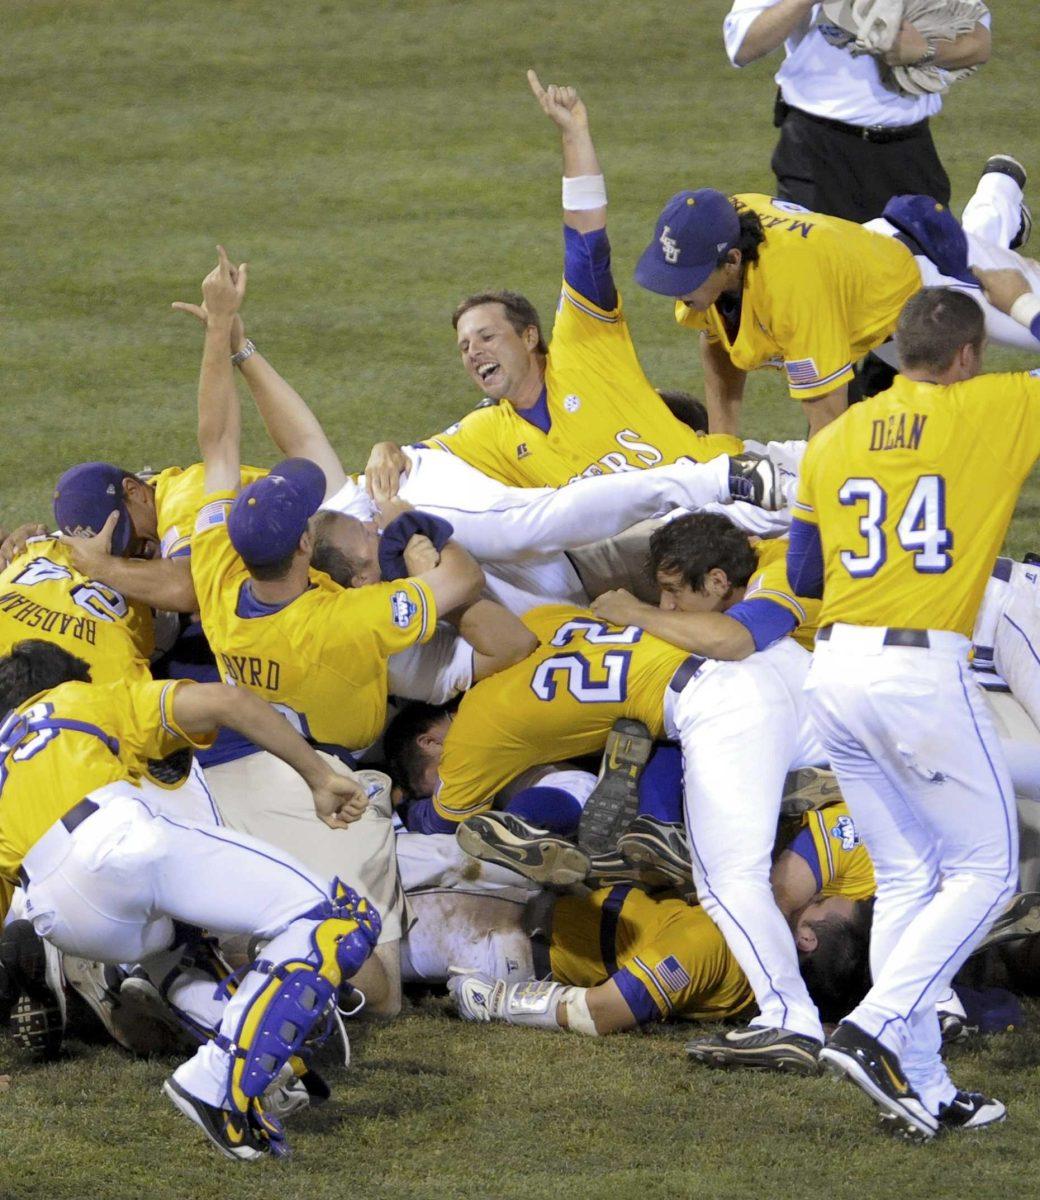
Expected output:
(402, 609)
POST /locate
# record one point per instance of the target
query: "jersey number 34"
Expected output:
(921, 529)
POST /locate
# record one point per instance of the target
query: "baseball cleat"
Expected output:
(614, 801)
(808, 788)
(1004, 164)
(1025, 228)
(755, 479)
(874, 1069)
(659, 845)
(228, 1131)
(540, 856)
(758, 1048)
(607, 870)
(33, 969)
(1019, 920)
(970, 1110)
(477, 997)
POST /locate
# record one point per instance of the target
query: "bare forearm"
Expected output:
(723, 388)
(498, 636)
(161, 583)
(969, 50)
(293, 428)
(219, 413)
(457, 579)
(711, 634)
(579, 158)
(770, 28)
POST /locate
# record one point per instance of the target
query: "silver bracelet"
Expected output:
(240, 356)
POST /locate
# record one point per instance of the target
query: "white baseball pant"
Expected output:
(742, 726)
(910, 739)
(112, 888)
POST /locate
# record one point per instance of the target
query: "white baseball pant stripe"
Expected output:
(742, 728)
(911, 741)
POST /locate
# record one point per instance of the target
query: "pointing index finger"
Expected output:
(536, 83)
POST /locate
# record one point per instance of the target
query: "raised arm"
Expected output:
(584, 194)
(220, 417)
(766, 32)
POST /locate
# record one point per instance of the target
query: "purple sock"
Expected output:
(547, 807)
(661, 785)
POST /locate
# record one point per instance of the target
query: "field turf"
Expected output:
(374, 163)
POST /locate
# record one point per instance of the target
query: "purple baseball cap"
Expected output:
(269, 516)
(86, 496)
(693, 231)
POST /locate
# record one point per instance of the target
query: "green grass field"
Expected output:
(374, 163)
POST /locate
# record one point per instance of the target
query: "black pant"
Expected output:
(830, 171)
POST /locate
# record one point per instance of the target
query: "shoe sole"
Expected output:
(1011, 927)
(807, 789)
(790, 1061)
(182, 1102)
(844, 1066)
(545, 861)
(647, 851)
(614, 802)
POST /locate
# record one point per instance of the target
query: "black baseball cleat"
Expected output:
(808, 788)
(874, 1069)
(970, 1110)
(543, 857)
(611, 868)
(1025, 228)
(1004, 164)
(230, 1132)
(34, 982)
(1019, 920)
(755, 479)
(758, 1048)
(659, 845)
(614, 801)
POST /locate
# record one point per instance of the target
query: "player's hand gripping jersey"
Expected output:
(321, 658)
(823, 292)
(42, 595)
(62, 744)
(558, 703)
(598, 413)
(954, 458)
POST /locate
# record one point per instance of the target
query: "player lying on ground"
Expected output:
(767, 283)
(107, 877)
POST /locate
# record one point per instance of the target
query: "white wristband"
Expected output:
(584, 192)
(1026, 309)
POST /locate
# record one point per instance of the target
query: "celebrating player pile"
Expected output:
(728, 635)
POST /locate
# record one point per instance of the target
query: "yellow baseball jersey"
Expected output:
(823, 292)
(770, 582)
(178, 498)
(604, 413)
(831, 845)
(667, 957)
(42, 595)
(62, 744)
(558, 703)
(322, 658)
(912, 492)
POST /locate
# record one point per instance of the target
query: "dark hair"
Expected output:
(520, 312)
(693, 545)
(934, 325)
(340, 567)
(686, 408)
(404, 759)
(266, 572)
(837, 972)
(751, 236)
(36, 666)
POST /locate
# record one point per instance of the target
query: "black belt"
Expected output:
(893, 637)
(878, 134)
(73, 819)
(686, 672)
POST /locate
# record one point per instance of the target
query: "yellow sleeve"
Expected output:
(690, 318)
(812, 329)
(579, 318)
(845, 866)
(477, 440)
(771, 583)
(805, 499)
(148, 728)
(6, 893)
(213, 555)
(395, 615)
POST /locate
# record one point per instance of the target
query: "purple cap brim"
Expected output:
(661, 277)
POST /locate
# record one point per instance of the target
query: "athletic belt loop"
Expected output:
(917, 638)
(73, 819)
(685, 672)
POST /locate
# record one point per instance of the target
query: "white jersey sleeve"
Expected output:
(435, 671)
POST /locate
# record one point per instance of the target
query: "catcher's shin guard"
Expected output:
(298, 993)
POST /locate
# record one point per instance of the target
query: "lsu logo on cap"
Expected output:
(669, 245)
(402, 609)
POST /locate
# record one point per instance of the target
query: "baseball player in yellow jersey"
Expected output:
(42, 594)
(580, 405)
(107, 876)
(317, 650)
(768, 283)
(888, 522)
